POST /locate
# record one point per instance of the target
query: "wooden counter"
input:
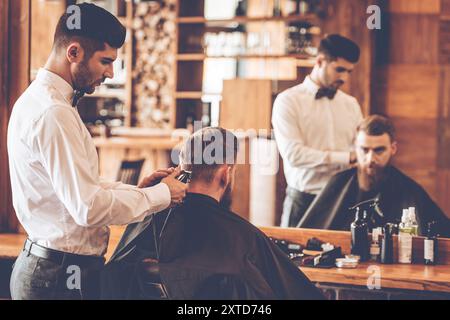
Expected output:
(397, 276)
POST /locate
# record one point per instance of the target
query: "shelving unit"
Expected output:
(200, 19)
(201, 57)
(190, 96)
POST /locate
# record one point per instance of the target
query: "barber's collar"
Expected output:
(310, 85)
(318, 91)
(61, 85)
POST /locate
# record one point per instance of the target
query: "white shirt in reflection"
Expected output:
(314, 137)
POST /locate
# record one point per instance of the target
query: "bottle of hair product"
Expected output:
(360, 236)
(413, 221)
(405, 239)
(387, 244)
(289, 7)
(430, 245)
(375, 246)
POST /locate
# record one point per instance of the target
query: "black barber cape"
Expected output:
(205, 252)
(330, 210)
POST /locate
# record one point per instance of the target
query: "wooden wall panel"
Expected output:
(413, 88)
(243, 109)
(444, 42)
(44, 18)
(444, 119)
(409, 91)
(417, 153)
(415, 6)
(445, 8)
(241, 191)
(18, 73)
(417, 143)
(349, 19)
(443, 193)
(4, 115)
(414, 39)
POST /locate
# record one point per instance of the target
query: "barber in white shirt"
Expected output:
(57, 194)
(315, 124)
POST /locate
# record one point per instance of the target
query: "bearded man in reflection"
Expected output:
(374, 177)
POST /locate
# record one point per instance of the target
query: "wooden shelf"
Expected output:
(109, 94)
(201, 56)
(197, 20)
(306, 63)
(188, 94)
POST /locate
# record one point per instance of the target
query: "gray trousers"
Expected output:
(35, 278)
(294, 207)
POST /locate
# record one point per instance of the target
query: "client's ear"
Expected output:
(394, 147)
(223, 175)
(320, 60)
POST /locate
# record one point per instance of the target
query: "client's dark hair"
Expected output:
(335, 46)
(377, 125)
(206, 150)
(97, 27)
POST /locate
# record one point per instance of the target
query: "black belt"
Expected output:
(60, 257)
(294, 193)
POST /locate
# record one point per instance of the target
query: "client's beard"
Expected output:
(371, 182)
(226, 200)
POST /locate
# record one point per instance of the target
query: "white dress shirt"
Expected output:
(314, 137)
(57, 193)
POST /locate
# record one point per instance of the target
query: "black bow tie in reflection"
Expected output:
(77, 95)
(326, 92)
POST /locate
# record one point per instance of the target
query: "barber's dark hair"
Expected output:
(206, 150)
(377, 125)
(335, 46)
(97, 27)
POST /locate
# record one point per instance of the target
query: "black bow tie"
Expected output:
(326, 92)
(77, 95)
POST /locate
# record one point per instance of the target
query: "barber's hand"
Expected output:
(155, 177)
(353, 160)
(177, 189)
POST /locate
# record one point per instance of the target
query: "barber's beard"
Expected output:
(370, 182)
(326, 81)
(83, 79)
(226, 200)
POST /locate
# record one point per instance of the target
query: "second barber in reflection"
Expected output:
(315, 125)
